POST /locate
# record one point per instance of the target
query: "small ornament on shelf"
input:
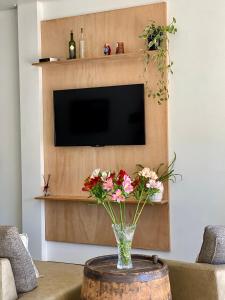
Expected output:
(46, 185)
(107, 49)
(48, 59)
(119, 48)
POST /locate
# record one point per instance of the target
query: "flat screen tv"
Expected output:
(102, 116)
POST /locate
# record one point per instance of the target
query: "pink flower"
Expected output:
(108, 184)
(128, 188)
(117, 196)
(154, 184)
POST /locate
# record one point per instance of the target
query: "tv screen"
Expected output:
(112, 115)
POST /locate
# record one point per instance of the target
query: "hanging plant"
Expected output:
(156, 38)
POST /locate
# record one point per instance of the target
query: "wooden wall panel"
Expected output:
(89, 224)
(69, 166)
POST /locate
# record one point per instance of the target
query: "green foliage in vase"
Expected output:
(156, 38)
(164, 172)
(167, 173)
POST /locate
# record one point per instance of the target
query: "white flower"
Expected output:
(105, 175)
(153, 175)
(147, 173)
(95, 173)
(154, 184)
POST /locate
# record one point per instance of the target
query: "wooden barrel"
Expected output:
(147, 280)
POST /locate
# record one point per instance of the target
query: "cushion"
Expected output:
(213, 246)
(11, 247)
(7, 283)
(25, 240)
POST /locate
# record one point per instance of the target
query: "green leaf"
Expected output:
(140, 166)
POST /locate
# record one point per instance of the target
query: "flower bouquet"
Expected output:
(112, 189)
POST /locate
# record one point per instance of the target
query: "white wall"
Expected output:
(53, 9)
(10, 177)
(196, 122)
(197, 116)
(29, 15)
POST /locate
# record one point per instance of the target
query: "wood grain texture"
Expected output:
(68, 166)
(62, 61)
(85, 199)
(89, 224)
(102, 280)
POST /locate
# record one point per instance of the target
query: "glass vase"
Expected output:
(124, 237)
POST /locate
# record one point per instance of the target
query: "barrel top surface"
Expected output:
(104, 268)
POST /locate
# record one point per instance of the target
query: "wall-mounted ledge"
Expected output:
(85, 199)
(113, 57)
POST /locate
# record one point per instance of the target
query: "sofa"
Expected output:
(60, 281)
(196, 281)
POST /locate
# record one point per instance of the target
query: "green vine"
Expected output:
(156, 38)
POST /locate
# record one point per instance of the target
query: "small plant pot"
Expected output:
(157, 197)
(153, 47)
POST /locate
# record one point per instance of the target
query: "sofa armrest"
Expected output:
(196, 281)
(58, 281)
(7, 283)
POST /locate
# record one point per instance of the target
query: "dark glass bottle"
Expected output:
(72, 47)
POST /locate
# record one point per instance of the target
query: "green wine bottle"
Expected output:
(72, 47)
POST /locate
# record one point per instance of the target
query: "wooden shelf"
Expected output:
(84, 199)
(112, 57)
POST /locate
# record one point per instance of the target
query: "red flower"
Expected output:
(87, 186)
(85, 189)
(119, 181)
(120, 177)
(90, 183)
(122, 173)
(112, 175)
(95, 181)
(136, 182)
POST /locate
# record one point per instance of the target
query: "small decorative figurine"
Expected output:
(120, 48)
(107, 49)
(46, 185)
